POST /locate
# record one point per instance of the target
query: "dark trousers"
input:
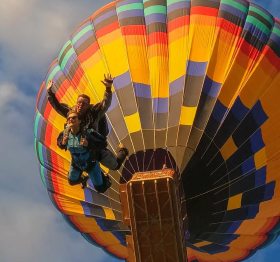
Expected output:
(109, 160)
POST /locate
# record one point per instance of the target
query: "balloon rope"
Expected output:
(131, 166)
(204, 193)
(137, 162)
(236, 179)
(144, 161)
(226, 184)
(170, 159)
(150, 161)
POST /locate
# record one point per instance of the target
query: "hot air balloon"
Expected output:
(197, 89)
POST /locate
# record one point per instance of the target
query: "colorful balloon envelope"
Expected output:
(197, 88)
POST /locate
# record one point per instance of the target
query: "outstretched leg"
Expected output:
(100, 181)
(109, 160)
(105, 185)
(74, 176)
(94, 173)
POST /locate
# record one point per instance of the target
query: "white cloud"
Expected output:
(16, 118)
(6, 93)
(9, 92)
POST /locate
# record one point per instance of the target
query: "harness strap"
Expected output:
(83, 132)
(80, 154)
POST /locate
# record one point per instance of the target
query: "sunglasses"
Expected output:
(82, 103)
(71, 118)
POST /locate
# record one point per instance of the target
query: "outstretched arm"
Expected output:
(60, 108)
(107, 99)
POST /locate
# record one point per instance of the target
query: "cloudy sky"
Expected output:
(32, 33)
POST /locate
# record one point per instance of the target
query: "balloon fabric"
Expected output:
(197, 88)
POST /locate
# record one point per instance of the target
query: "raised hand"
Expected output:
(84, 142)
(50, 84)
(65, 140)
(108, 81)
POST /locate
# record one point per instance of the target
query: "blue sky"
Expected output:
(32, 33)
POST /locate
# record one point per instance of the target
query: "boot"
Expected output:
(124, 149)
(121, 155)
(107, 182)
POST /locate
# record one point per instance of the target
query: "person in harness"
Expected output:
(92, 116)
(87, 148)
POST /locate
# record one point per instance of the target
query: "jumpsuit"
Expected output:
(81, 161)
